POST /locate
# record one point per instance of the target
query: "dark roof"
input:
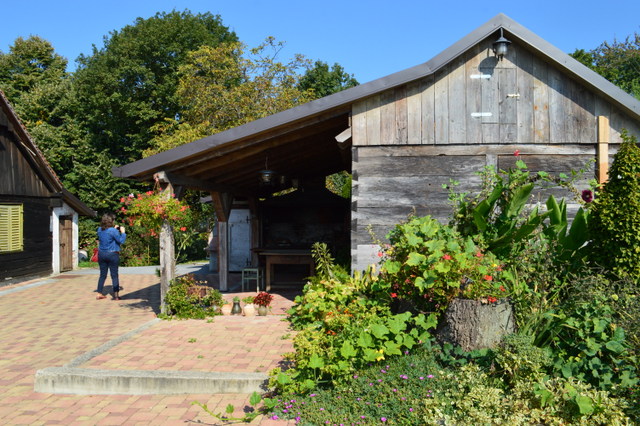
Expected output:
(330, 114)
(48, 175)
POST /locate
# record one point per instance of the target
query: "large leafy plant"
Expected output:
(429, 264)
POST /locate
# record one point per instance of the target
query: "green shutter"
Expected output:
(11, 236)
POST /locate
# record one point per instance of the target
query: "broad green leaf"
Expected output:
(414, 240)
(415, 259)
(255, 398)
(315, 361)
(614, 346)
(420, 283)
(347, 350)
(392, 267)
(379, 330)
(585, 404)
(392, 348)
(283, 378)
(364, 340)
(519, 199)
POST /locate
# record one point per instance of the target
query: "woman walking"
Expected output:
(110, 239)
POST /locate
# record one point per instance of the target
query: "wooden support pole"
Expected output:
(167, 254)
(603, 149)
(223, 255)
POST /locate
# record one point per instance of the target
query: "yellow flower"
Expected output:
(381, 357)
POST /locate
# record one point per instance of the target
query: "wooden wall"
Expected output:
(20, 183)
(480, 100)
(410, 141)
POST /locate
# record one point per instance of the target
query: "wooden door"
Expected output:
(66, 243)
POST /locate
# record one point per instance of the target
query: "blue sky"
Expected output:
(370, 39)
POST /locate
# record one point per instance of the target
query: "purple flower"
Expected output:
(587, 196)
(411, 409)
(430, 376)
(312, 395)
(321, 409)
(421, 378)
(383, 419)
(274, 417)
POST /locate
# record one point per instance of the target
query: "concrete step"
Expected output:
(84, 381)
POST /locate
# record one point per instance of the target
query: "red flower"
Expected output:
(516, 153)
(488, 278)
(446, 257)
(502, 288)
(380, 254)
(479, 254)
(492, 299)
(394, 295)
(184, 228)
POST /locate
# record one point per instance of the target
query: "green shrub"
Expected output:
(615, 217)
(429, 264)
(416, 389)
(188, 298)
(518, 360)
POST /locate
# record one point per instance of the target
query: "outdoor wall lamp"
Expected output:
(500, 46)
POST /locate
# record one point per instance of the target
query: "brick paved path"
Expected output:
(49, 322)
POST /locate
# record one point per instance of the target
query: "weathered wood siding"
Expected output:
(477, 99)
(411, 141)
(17, 175)
(21, 183)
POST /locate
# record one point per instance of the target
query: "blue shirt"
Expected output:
(110, 239)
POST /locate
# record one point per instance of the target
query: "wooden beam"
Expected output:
(180, 180)
(222, 202)
(603, 149)
(344, 136)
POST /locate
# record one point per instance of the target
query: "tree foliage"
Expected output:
(129, 85)
(324, 81)
(230, 85)
(618, 62)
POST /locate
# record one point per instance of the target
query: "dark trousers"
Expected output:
(108, 260)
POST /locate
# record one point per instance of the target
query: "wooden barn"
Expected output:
(38, 216)
(405, 135)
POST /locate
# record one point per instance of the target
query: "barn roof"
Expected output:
(301, 140)
(38, 160)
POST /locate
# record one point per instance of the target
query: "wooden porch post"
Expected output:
(603, 149)
(167, 253)
(222, 204)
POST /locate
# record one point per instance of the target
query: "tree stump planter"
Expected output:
(474, 324)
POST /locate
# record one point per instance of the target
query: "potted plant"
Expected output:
(236, 309)
(249, 309)
(263, 300)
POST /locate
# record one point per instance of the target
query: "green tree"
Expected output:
(129, 85)
(618, 62)
(324, 81)
(615, 216)
(227, 86)
(29, 63)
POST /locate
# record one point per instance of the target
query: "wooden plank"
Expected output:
(490, 93)
(223, 255)
(457, 102)
(474, 95)
(441, 104)
(508, 105)
(388, 118)
(373, 120)
(401, 115)
(419, 166)
(540, 102)
(499, 149)
(525, 100)
(428, 118)
(359, 123)
(414, 113)
(557, 111)
(603, 149)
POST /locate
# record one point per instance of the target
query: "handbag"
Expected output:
(94, 258)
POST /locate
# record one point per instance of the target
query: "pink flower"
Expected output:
(446, 257)
(516, 153)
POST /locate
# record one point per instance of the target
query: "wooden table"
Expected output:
(284, 257)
